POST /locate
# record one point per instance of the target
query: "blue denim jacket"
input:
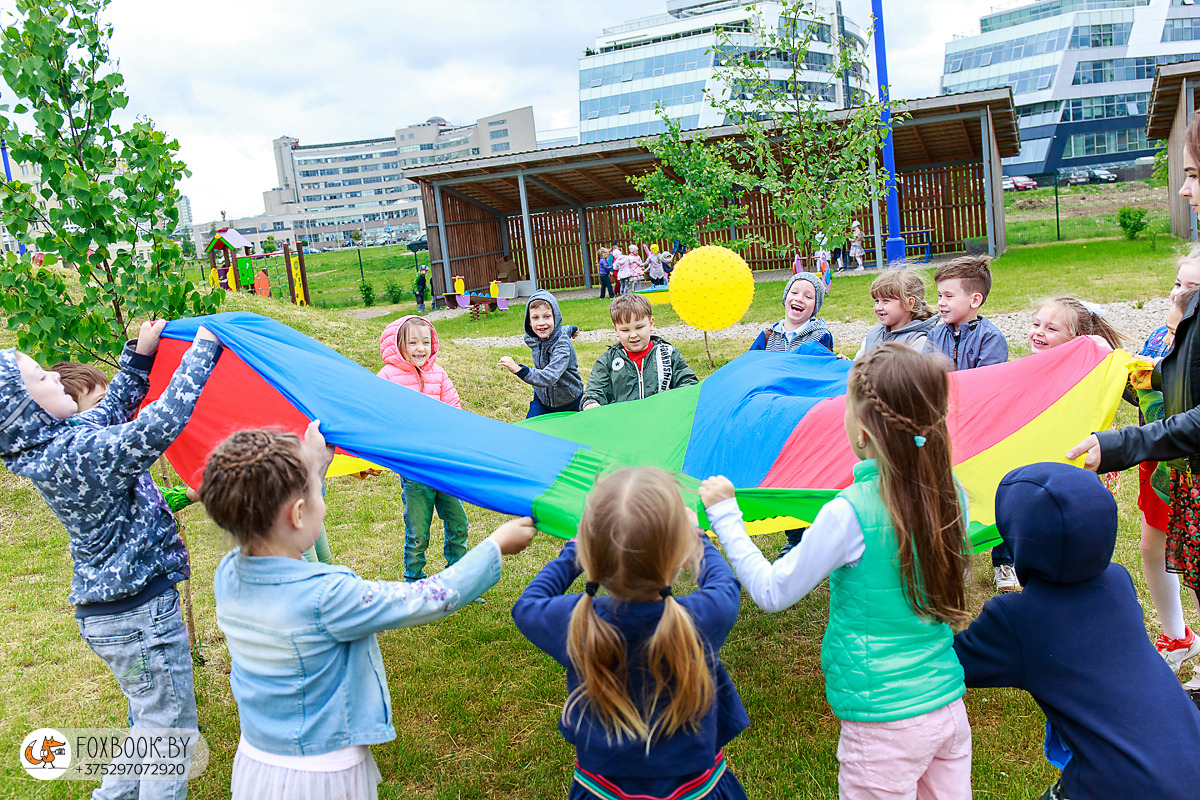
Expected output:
(307, 673)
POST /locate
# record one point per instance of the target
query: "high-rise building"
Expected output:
(328, 191)
(671, 59)
(1080, 71)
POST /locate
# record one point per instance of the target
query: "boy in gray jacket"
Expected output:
(91, 471)
(554, 376)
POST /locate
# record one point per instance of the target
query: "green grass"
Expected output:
(475, 705)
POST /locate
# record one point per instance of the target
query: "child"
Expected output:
(899, 296)
(1060, 320)
(966, 338)
(86, 384)
(803, 295)
(1178, 642)
(420, 287)
(306, 670)
(409, 346)
(615, 255)
(649, 704)
(126, 551)
(629, 270)
(1075, 639)
(668, 265)
(654, 266)
(856, 244)
(604, 266)
(894, 547)
(640, 364)
(555, 379)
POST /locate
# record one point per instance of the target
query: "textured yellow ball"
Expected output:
(711, 288)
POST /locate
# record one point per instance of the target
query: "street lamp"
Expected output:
(894, 248)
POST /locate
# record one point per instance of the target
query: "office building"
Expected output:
(1080, 71)
(672, 59)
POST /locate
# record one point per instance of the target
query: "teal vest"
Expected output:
(881, 660)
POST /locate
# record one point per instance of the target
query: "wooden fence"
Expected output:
(947, 201)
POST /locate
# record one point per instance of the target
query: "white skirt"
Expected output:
(254, 780)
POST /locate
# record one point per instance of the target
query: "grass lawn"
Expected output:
(475, 706)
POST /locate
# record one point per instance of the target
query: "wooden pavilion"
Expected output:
(1173, 103)
(541, 214)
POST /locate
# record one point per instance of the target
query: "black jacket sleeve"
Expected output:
(1176, 436)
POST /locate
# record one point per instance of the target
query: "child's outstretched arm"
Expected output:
(833, 540)
(598, 391)
(989, 649)
(547, 376)
(715, 606)
(129, 449)
(543, 612)
(129, 386)
(353, 607)
(681, 373)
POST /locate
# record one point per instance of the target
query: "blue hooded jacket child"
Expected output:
(1075, 639)
(554, 375)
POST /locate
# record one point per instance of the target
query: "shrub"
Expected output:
(1132, 221)
(368, 293)
(394, 290)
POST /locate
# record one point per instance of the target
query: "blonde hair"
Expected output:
(1082, 321)
(634, 537)
(402, 335)
(900, 396)
(902, 285)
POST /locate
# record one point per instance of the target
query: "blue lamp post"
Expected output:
(894, 247)
(8, 175)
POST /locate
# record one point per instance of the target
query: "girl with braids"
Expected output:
(1060, 320)
(894, 546)
(306, 673)
(649, 705)
(409, 346)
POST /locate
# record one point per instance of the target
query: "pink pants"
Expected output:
(927, 757)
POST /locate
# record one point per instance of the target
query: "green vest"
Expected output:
(881, 660)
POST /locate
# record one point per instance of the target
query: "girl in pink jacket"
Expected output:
(409, 348)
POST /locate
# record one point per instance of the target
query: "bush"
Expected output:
(1132, 221)
(394, 290)
(368, 293)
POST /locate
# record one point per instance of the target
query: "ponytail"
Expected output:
(597, 651)
(680, 669)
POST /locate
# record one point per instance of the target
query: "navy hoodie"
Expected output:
(1075, 639)
(555, 373)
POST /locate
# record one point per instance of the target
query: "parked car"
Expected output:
(1102, 176)
(418, 244)
(1006, 183)
(1023, 183)
(1077, 178)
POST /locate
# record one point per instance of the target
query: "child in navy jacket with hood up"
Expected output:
(1075, 639)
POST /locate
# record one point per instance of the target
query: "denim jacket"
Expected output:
(307, 673)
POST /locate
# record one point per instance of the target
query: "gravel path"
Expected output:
(1135, 322)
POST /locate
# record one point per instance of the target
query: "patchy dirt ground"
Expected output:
(1089, 201)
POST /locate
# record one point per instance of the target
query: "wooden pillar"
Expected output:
(989, 216)
(525, 224)
(505, 245)
(441, 223)
(584, 247)
(876, 222)
(287, 264)
(303, 276)
(1189, 101)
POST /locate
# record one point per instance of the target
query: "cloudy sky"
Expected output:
(225, 78)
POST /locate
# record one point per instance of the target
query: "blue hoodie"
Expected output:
(978, 343)
(91, 470)
(1075, 639)
(555, 373)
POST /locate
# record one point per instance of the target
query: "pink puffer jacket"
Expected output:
(432, 381)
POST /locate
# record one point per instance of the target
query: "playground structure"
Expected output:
(239, 271)
(478, 300)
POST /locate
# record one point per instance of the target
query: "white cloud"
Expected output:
(225, 78)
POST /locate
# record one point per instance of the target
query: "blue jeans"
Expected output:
(536, 408)
(606, 285)
(419, 502)
(1001, 555)
(793, 538)
(147, 650)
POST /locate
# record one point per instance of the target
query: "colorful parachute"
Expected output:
(771, 422)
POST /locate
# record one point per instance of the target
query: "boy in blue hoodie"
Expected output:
(91, 470)
(1075, 639)
(557, 385)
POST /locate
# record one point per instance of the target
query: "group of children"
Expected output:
(622, 273)
(650, 707)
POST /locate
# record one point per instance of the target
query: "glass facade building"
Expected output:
(672, 60)
(1080, 71)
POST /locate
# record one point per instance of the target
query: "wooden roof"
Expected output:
(1164, 96)
(937, 130)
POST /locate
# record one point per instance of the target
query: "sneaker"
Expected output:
(1006, 578)
(480, 601)
(1177, 651)
(1194, 684)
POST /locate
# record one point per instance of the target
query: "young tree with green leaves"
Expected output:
(268, 245)
(812, 165)
(104, 207)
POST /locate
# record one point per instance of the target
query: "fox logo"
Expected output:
(47, 754)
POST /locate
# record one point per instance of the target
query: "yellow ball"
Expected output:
(711, 288)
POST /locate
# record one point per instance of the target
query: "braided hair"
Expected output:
(249, 477)
(900, 397)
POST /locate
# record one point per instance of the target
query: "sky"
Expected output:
(225, 78)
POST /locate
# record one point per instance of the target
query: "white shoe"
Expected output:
(1006, 578)
(1194, 684)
